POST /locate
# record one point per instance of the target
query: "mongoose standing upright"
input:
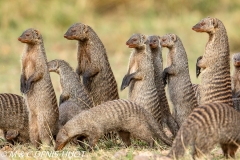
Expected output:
(236, 81)
(72, 91)
(14, 118)
(156, 52)
(215, 63)
(37, 89)
(207, 125)
(119, 115)
(140, 78)
(93, 64)
(180, 88)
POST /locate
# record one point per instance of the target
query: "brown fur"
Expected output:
(140, 78)
(156, 52)
(14, 118)
(93, 65)
(215, 63)
(208, 125)
(180, 88)
(37, 89)
(74, 97)
(123, 116)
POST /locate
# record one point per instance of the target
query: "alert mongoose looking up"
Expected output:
(140, 78)
(180, 87)
(37, 89)
(123, 116)
(93, 65)
(215, 63)
(14, 118)
(156, 52)
(208, 125)
(72, 91)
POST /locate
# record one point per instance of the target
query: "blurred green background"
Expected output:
(114, 21)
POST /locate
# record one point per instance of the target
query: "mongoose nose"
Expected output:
(65, 36)
(19, 38)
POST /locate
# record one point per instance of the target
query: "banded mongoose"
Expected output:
(140, 78)
(180, 88)
(215, 63)
(207, 125)
(123, 116)
(14, 118)
(37, 89)
(156, 52)
(73, 92)
(236, 73)
(93, 65)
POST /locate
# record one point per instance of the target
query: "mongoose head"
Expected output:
(206, 25)
(62, 139)
(236, 59)
(136, 41)
(168, 40)
(77, 31)
(53, 66)
(11, 134)
(31, 36)
(154, 41)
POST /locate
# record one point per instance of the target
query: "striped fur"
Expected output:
(38, 90)
(208, 125)
(156, 52)
(215, 63)
(74, 97)
(123, 116)
(14, 117)
(180, 88)
(93, 65)
(140, 78)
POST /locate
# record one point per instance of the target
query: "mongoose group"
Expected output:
(203, 114)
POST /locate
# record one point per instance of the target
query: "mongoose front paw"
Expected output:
(198, 69)
(164, 77)
(28, 86)
(126, 81)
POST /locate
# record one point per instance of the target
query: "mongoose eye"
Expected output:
(73, 30)
(202, 24)
(164, 39)
(154, 41)
(134, 39)
(27, 35)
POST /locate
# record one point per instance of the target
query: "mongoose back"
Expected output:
(207, 125)
(119, 115)
(140, 78)
(93, 65)
(156, 52)
(14, 118)
(37, 89)
(73, 92)
(215, 63)
(180, 88)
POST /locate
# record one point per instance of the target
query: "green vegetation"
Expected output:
(114, 21)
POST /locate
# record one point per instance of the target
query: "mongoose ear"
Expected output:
(85, 29)
(214, 21)
(159, 37)
(173, 37)
(37, 32)
(144, 38)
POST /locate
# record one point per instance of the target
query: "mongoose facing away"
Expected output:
(93, 65)
(73, 92)
(140, 78)
(37, 89)
(123, 116)
(180, 88)
(215, 63)
(156, 52)
(207, 125)
(14, 118)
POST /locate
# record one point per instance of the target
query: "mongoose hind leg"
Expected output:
(125, 136)
(44, 132)
(33, 130)
(172, 125)
(229, 149)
